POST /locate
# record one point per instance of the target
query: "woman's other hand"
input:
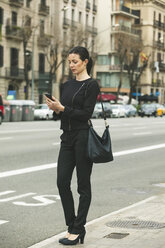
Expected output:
(54, 105)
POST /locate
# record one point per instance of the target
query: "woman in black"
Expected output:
(78, 98)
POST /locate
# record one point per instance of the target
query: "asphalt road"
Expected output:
(30, 207)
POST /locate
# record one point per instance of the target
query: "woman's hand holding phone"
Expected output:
(54, 104)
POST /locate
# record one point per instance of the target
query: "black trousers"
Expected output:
(73, 153)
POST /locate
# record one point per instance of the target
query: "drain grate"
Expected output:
(116, 235)
(139, 224)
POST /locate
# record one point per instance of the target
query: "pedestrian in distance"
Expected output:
(75, 108)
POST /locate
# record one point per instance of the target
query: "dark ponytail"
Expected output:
(84, 54)
(89, 65)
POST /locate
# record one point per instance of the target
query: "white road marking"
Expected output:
(27, 170)
(3, 222)
(56, 143)
(144, 133)
(53, 239)
(16, 197)
(6, 138)
(6, 192)
(30, 130)
(54, 165)
(142, 149)
(137, 128)
(43, 201)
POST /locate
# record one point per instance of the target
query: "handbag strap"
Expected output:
(104, 114)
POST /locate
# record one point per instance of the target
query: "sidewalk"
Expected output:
(142, 222)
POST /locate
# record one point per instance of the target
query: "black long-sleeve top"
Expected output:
(79, 99)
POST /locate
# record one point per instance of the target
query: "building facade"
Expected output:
(152, 23)
(35, 37)
(25, 31)
(119, 18)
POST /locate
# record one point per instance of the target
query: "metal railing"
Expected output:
(43, 9)
(14, 32)
(16, 3)
(14, 72)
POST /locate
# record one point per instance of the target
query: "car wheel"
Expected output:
(47, 117)
(0, 119)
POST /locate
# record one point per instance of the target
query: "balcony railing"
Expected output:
(88, 6)
(122, 28)
(44, 40)
(15, 73)
(74, 2)
(14, 32)
(66, 1)
(94, 8)
(159, 24)
(74, 24)
(91, 29)
(66, 22)
(43, 9)
(159, 45)
(127, 11)
(162, 66)
(16, 3)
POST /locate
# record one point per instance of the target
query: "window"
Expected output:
(42, 27)
(1, 56)
(154, 15)
(72, 14)
(86, 19)
(43, 2)
(103, 60)
(1, 16)
(28, 3)
(93, 24)
(41, 63)
(159, 57)
(14, 61)
(80, 16)
(14, 18)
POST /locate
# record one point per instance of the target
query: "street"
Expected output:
(30, 205)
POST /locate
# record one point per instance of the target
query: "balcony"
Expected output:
(123, 10)
(74, 2)
(127, 30)
(66, 1)
(158, 24)
(94, 8)
(15, 73)
(162, 66)
(16, 3)
(88, 6)
(43, 9)
(74, 24)
(44, 40)
(91, 30)
(14, 32)
(66, 23)
(159, 45)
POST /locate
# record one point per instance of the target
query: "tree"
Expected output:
(26, 35)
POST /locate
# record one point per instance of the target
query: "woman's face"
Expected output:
(76, 64)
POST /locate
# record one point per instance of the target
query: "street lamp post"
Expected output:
(32, 96)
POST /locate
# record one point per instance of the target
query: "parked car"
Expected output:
(117, 110)
(130, 110)
(2, 111)
(147, 110)
(98, 113)
(42, 112)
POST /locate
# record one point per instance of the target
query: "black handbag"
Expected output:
(99, 148)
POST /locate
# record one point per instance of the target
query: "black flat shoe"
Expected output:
(75, 241)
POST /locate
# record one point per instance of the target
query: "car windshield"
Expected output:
(114, 107)
(42, 107)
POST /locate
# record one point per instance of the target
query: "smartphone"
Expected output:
(49, 96)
